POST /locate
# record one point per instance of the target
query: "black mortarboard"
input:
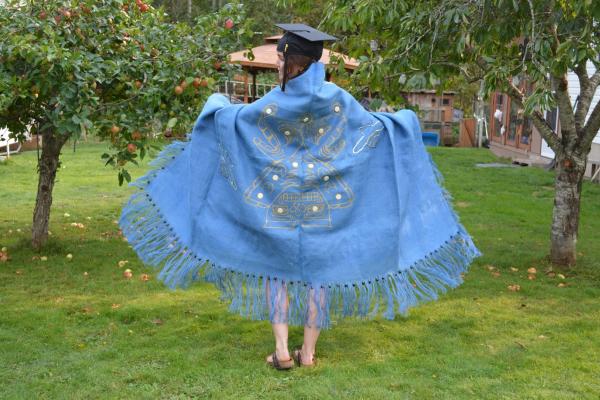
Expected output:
(301, 39)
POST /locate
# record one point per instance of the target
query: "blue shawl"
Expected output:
(300, 207)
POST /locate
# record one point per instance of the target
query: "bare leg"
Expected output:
(311, 330)
(309, 346)
(280, 330)
(281, 341)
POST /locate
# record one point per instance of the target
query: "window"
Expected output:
(446, 102)
(499, 100)
(498, 117)
(515, 119)
(551, 118)
(526, 131)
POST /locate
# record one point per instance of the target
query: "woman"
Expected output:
(301, 207)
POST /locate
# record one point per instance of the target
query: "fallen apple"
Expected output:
(127, 274)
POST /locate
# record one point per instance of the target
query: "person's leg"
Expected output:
(278, 309)
(307, 353)
(280, 331)
(311, 327)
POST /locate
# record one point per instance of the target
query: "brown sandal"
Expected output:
(281, 364)
(297, 356)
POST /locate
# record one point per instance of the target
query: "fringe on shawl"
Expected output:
(293, 302)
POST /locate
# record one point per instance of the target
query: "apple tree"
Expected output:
(113, 68)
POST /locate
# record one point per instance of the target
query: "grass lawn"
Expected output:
(68, 334)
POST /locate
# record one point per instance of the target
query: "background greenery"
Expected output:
(67, 335)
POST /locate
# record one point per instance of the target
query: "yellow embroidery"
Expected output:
(300, 188)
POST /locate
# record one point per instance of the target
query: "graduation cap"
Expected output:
(300, 39)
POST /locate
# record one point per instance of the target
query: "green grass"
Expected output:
(61, 336)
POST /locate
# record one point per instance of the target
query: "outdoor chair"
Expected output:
(8, 145)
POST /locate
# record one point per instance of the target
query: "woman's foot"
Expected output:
(304, 358)
(280, 360)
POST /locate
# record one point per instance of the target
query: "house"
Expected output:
(513, 135)
(436, 112)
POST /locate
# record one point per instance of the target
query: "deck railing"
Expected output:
(244, 90)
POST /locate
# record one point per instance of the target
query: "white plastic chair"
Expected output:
(6, 142)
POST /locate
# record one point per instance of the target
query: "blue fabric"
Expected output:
(305, 196)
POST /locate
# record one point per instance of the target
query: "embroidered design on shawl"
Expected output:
(369, 136)
(296, 190)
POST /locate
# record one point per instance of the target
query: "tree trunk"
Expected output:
(48, 165)
(565, 217)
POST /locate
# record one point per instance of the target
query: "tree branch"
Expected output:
(565, 110)
(538, 119)
(595, 79)
(586, 93)
(590, 130)
(461, 68)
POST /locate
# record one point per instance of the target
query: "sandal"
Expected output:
(297, 356)
(280, 364)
